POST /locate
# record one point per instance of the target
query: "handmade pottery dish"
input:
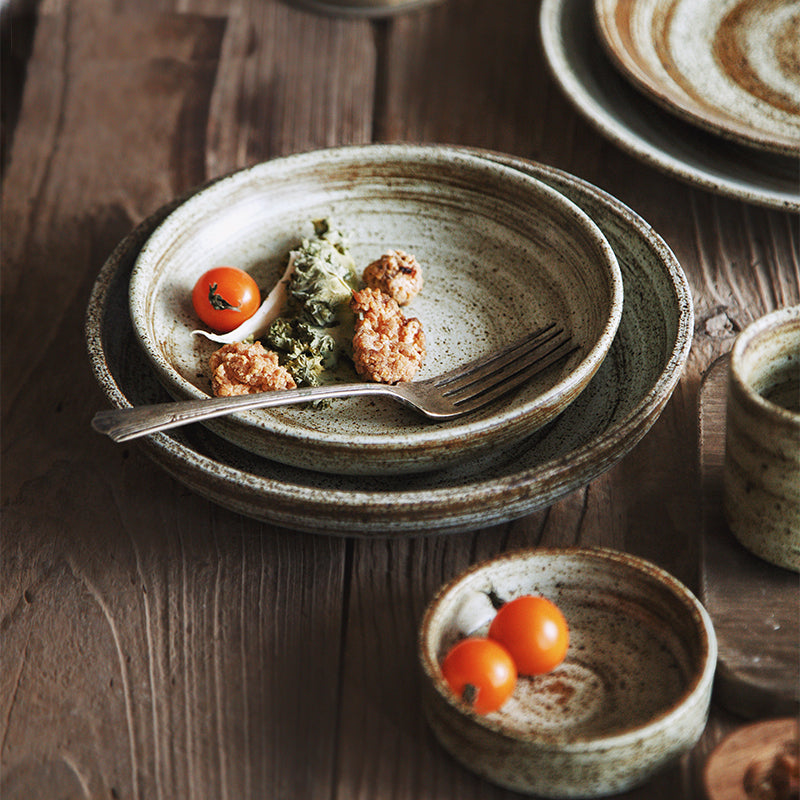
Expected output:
(631, 695)
(761, 496)
(728, 67)
(622, 113)
(501, 253)
(618, 407)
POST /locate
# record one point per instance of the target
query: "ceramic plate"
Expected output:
(618, 407)
(501, 254)
(732, 67)
(610, 103)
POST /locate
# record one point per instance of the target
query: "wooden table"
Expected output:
(156, 645)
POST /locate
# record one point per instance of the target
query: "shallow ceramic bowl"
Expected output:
(632, 694)
(621, 403)
(501, 253)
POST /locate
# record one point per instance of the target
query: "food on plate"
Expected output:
(387, 347)
(534, 631)
(778, 779)
(225, 297)
(397, 274)
(304, 350)
(481, 672)
(318, 311)
(247, 368)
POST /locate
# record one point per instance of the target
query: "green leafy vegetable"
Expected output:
(306, 351)
(324, 278)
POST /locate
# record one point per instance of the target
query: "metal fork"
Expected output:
(457, 392)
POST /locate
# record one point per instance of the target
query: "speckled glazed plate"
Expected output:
(631, 695)
(731, 67)
(501, 254)
(596, 88)
(620, 404)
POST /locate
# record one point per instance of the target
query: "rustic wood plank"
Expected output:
(154, 644)
(235, 660)
(289, 81)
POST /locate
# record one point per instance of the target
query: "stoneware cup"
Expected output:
(762, 452)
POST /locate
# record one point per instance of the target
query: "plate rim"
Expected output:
(714, 119)
(598, 115)
(438, 510)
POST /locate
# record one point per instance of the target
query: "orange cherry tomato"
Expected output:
(224, 297)
(534, 632)
(481, 672)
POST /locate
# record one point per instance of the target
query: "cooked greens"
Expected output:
(317, 324)
(324, 277)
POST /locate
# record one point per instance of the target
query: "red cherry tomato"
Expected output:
(481, 672)
(534, 632)
(225, 297)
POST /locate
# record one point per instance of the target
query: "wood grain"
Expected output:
(158, 646)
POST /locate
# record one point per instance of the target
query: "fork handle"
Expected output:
(122, 424)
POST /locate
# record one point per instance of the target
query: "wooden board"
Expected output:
(755, 606)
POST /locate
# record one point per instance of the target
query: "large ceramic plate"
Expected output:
(732, 67)
(610, 103)
(618, 407)
(501, 253)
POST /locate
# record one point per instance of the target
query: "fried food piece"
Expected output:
(387, 347)
(241, 368)
(397, 274)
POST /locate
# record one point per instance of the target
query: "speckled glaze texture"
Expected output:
(618, 407)
(501, 252)
(732, 67)
(632, 694)
(762, 443)
(622, 112)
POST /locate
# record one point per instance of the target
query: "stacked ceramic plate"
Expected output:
(707, 90)
(506, 246)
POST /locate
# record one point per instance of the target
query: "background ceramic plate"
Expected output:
(624, 115)
(619, 406)
(501, 254)
(732, 67)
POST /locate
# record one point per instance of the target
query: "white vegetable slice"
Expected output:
(269, 310)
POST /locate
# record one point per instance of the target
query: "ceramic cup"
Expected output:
(762, 449)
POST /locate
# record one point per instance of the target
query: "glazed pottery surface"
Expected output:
(621, 112)
(631, 695)
(618, 407)
(501, 253)
(762, 447)
(731, 67)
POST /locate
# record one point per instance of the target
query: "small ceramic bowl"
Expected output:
(762, 447)
(631, 695)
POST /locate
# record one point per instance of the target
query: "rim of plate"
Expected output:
(315, 502)
(386, 153)
(713, 176)
(686, 102)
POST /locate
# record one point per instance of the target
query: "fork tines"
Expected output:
(484, 379)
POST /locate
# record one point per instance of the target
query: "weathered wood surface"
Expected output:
(155, 645)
